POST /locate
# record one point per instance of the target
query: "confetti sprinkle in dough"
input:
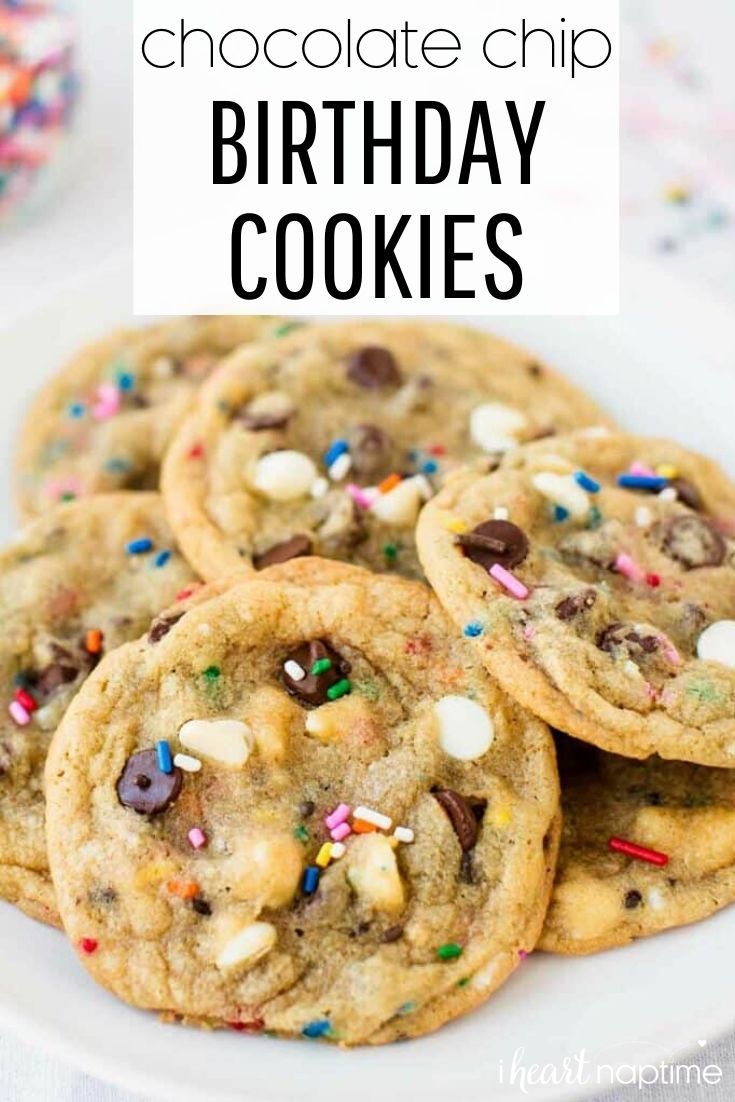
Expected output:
(602, 899)
(615, 641)
(330, 441)
(69, 592)
(264, 927)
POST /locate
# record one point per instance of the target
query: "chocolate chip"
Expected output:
(495, 541)
(393, 933)
(369, 449)
(201, 906)
(372, 368)
(623, 636)
(692, 541)
(653, 799)
(293, 548)
(162, 626)
(53, 677)
(571, 606)
(312, 689)
(632, 900)
(306, 808)
(144, 788)
(688, 493)
(463, 815)
(259, 422)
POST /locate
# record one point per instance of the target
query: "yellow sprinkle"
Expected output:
(153, 873)
(454, 524)
(324, 855)
(666, 470)
(501, 817)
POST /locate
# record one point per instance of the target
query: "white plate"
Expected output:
(670, 369)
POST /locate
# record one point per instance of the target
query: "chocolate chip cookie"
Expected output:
(304, 809)
(679, 819)
(329, 442)
(73, 585)
(595, 574)
(104, 421)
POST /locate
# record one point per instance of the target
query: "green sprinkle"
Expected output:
(341, 688)
(68, 496)
(390, 551)
(449, 951)
(463, 982)
(211, 673)
(288, 327)
(594, 517)
(301, 833)
(321, 666)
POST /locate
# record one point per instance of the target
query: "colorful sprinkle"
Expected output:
(317, 1029)
(140, 546)
(324, 855)
(390, 551)
(212, 673)
(340, 468)
(93, 641)
(640, 853)
(197, 837)
(509, 582)
(340, 688)
(196, 451)
(338, 850)
(429, 467)
(456, 526)
(359, 495)
(362, 826)
(163, 756)
(320, 666)
(449, 951)
(88, 945)
(629, 568)
(389, 483)
(183, 889)
(162, 558)
(473, 629)
(125, 380)
(339, 815)
(188, 763)
(560, 514)
(641, 482)
(18, 713)
(586, 482)
(301, 833)
(334, 451)
(26, 701)
(294, 670)
(340, 832)
(77, 410)
(311, 879)
(382, 822)
(403, 834)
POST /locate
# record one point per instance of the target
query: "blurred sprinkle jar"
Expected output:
(38, 91)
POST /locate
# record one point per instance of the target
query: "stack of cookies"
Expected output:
(267, 779)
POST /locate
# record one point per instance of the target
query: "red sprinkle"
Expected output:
(88, 944)
(256, 1026)
(654, 580)
(196, 451)
(190, 590)
(437, 449)
(26, 700)
(652, 856)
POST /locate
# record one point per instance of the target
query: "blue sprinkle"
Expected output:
(125, 380)
(77, 410)
(406, 1008)
(334, 451)
(413, 455)
(162, 558)
(117, 466)
(163, 753)
(430, 466)
(586, 482)
(139, 547)
(473, 629)
(642, 482)
(317, 1029)
(311, 879)
(560, 514)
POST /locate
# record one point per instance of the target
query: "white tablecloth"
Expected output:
(679, 131)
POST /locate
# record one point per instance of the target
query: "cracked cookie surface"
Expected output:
(104, 421)
(595, 574)
(685, 812)
(349, 834)
(329, 442)
(71, 588)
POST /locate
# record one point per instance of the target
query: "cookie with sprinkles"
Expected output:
(646, 846)
(329, 442)
(305, 810)
(595, 575)
(74, 584)
(104, 421)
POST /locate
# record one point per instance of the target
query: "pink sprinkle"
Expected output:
(57, 488)
(629, 568)
(522, 953)
(509, 581)
(337, 816)
(358, 495)
(671, 654)
(108, 402)
(197, 837)
(19, 713)
(643, 470)
(340, 832)
(528, 632)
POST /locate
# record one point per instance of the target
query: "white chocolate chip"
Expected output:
(271, 403)
(285, 476)
(401, 505)
(227, 741)
(717, 643)
(187, 763)
(266, 868)
(495, 427)
(248, 946)
(373, 873)
(465, 729)
(562, 490)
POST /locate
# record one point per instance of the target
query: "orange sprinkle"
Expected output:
(93, 641)
(362, 826)
(389, 483)
(184, 889)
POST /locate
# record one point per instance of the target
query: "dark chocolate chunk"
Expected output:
(306, 808)
(201, 906)
(632, 900)
(162, 626)
(293, 548)
(692, 541)
(144, 788)
(463, 814)
(571, 606)
(688, 493)
(53, 677)
(311, 690)
(370, 450)
(393, 933)
(259, 422)
(373, 367)
(495, 541)
(626, 637)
